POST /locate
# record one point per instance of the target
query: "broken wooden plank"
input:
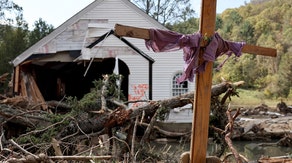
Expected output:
(30, 90)
(35, 93)
(129, 31)
(23, 81)
(16, 79)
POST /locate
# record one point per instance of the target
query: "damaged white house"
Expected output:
(82, 49)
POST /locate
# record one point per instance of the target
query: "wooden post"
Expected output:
(202, 97)
(16, 79)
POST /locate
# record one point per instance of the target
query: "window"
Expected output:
(178, 89)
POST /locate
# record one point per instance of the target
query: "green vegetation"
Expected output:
(265, 23)
(251, 98)
(92, 100)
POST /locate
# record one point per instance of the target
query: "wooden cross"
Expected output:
(203, 80)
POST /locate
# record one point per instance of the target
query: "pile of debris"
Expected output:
(97, 127)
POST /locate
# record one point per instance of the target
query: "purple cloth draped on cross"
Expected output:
(163, 41)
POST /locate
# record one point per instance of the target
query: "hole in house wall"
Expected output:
(57, 79)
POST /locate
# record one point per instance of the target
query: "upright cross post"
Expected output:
(202, 95)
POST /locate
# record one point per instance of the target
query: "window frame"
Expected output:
(178, 89)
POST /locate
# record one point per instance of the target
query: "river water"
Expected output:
(252, 150)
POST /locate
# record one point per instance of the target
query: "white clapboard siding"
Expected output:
(165, 66)
(101, 16)
(121, 11)
(139, 74)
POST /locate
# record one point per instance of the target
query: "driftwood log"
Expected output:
(280, 159)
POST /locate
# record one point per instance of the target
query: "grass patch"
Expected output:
(252, 98)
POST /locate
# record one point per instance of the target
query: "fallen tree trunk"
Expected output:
(34, 118)
(121, 116)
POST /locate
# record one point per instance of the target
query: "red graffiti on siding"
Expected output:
(139, 93)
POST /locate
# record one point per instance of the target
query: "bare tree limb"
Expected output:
(229, 130)
(80, 158)
(22, 149)
(149, 128)
(133, 140)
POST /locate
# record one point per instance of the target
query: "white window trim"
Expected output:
(178, 89)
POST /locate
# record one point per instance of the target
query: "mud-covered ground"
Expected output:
(264, 123)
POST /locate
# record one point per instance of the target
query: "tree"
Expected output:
(219, 22)
(231, 21)
(13, 41)
(12, 38)
(13, 30)
(166, 11)
(14, 34)
(247, 32)
(41, 29)
(11, 9)
(287, 39)
(191, 25)
(185, 27)
(240, 69)
(285, 76)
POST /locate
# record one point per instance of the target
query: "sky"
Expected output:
(56, 12)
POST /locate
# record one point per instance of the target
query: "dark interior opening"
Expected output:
(58, 79)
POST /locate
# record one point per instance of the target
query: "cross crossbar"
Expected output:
(143, 33)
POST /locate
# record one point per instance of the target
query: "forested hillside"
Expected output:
(265, 23)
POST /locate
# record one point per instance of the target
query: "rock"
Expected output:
(283, 108)
(274, 116)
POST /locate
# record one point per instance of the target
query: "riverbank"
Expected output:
(264, 123)
(261, 123)
(259, 133)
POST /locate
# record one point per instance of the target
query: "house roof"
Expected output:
(33, 49)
